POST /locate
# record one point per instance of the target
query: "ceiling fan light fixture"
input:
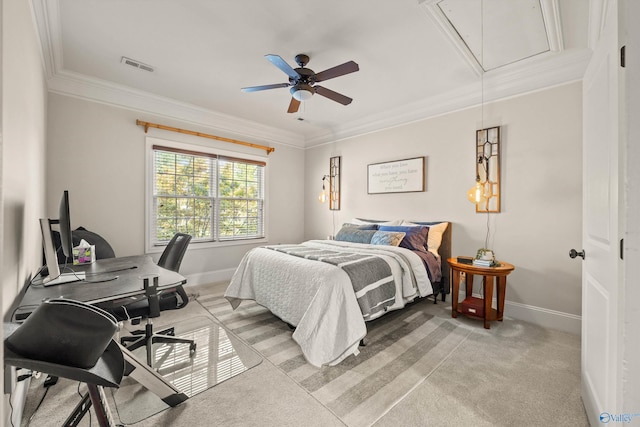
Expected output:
(302, 80)
(302, 91)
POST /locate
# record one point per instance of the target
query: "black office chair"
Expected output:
(155, 302)
(172, 256)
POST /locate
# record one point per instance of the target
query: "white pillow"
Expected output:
(434, 238)
(358, 221)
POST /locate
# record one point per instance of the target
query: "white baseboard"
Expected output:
(210, 277)
(544, 317)
(540, 316)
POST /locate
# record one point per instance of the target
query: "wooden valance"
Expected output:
(148, 125)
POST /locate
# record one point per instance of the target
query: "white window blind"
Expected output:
(210, 197)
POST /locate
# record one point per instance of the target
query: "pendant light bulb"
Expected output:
(476, 193)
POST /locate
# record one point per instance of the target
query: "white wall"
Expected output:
(23, 138)
(541, 176)
(96, 152)
(24, 134)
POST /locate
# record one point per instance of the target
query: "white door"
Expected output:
(602, 279)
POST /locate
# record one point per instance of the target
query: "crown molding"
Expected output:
(46, 14)
(516, 79)
(47, 18)
(535, 73)
(83, 87)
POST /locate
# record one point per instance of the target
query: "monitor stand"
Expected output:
(64, 278)
(54, 275)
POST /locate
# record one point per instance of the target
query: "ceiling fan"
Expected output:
(302, 80)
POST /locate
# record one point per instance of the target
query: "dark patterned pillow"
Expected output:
(415, 237)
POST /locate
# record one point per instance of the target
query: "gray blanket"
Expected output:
(370, 275)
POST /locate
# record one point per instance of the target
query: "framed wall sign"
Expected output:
(399, 176)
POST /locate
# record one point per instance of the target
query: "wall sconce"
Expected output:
(485, 194)
(333, 195)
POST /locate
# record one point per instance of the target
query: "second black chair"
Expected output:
(155, 302)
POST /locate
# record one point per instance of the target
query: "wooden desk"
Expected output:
(488, 274)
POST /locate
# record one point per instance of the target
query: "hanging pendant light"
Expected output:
(323, 197)
(476, 194)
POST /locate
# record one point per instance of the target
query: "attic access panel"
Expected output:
(494, 33)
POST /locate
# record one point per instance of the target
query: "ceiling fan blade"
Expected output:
(293, 105)
(335, 96)
(337, 71)
(282, 64)
(264, 87)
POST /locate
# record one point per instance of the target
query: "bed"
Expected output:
(329, 289)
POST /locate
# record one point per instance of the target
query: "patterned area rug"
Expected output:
(402, 349)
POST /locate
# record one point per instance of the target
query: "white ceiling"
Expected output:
(417, 58)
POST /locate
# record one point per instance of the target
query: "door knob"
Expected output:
(573, 253)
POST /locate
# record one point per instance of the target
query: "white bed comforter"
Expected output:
(318, 298)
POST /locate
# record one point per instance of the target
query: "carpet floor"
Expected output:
(419, 367)
(422, 367)
(402, 349)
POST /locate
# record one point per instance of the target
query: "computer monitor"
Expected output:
(66, 240)
(54, 276)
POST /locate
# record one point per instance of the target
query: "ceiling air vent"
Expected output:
(136, 64)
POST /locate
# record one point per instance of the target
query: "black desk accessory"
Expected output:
(70, 339)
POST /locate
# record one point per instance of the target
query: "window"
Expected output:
(211, 196)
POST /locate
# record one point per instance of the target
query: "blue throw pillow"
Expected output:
(415, 237)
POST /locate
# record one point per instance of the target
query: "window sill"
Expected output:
(206, 245)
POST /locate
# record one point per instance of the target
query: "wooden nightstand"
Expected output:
(478, 307)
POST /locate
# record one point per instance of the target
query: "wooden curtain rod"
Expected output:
(148, 125)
